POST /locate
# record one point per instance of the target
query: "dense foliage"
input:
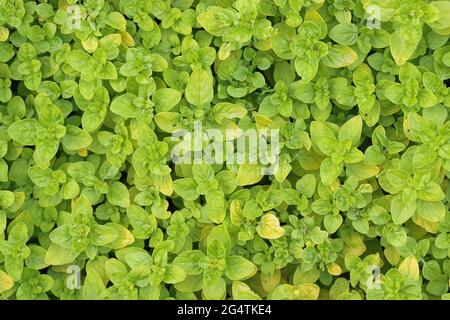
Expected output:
(93, 206)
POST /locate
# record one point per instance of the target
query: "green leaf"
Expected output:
(168, 121)
(174, 274)
(6, 199)
(24, 131)
(19, 233)
(124, 106)
(423, 156)
(199, 89)
(248, 174)
(323, 138)
(305, 291)
(433, 211)
(102, 235)
(202, 172)
(116, 20)
(395, 235)
(229, 111)
(189, 261)
(242, 291)
(118, 195)
(82, 207)
(351, 130)
(307, 185)
(402, 48)
(431, 192)
(57, 256)
(304, 91)
(77, 59)
(93, 287)
(345, 34)
(329, 171)
(438, 285)
(76, 138)
(216, 20)
(393, 180)
(402, 211)
(239, 268)
(221, 235)
(186, 188)
(306, 68)
(141, 219)
(332, 222)
(165, 99)
(216, 291)
(61, 236)
(252, 210)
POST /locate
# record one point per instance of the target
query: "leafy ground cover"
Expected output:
(93, 205)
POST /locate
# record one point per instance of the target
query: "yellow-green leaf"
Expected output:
(269, 227)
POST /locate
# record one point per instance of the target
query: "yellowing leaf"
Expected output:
(90, 44)
(57, 255)
(334, 269)
(164, 184)
(6, 281)
(410, 268)
(301, 276)
(124, 236)
(431, 227)
(391, 255)
(306, 291)
(248, 174)
(269, 227)
(270, 281)
(127, 39)
(116, 20)
(401, 47)
(242, 291)
(339, 56)
(361, 170)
